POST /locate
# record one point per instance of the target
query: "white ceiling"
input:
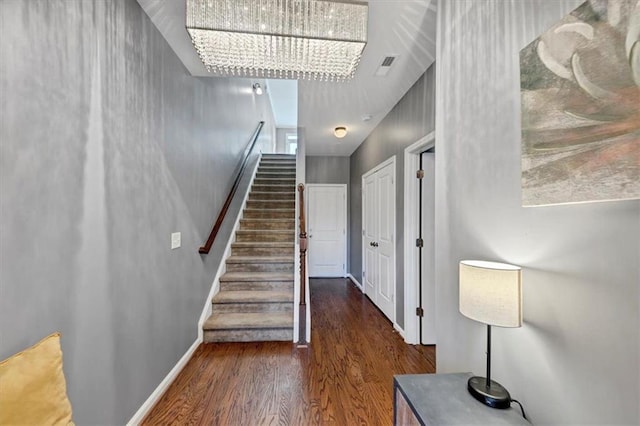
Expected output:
(406, 28)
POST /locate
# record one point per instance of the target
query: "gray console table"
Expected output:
(443, 399)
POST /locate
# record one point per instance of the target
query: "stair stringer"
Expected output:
(222, 268)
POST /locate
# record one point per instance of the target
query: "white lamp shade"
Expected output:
(491, 292)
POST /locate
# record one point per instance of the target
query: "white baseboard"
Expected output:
(399, 330)
(395, 325)
(356, 282)
(142, 412)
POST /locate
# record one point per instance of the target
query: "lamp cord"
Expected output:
(521, 408)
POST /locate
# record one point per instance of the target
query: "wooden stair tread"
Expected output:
(253, 296)
(257, 276)
(249, 320)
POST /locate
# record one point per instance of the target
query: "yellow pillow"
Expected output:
(32, 386)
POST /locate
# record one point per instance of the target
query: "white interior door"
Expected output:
(327, 230)
(385, 246)
(379, 225)
(369, 235)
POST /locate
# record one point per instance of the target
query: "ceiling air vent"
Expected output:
(385, 66)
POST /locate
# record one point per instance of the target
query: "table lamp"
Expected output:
(490, 293)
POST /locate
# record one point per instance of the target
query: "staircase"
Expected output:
(255, 302)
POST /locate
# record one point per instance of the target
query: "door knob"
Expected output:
(375, 244)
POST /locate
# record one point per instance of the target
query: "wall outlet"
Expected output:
(176, 240)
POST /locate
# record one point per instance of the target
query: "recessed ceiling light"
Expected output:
(340, 132)
(257, 89)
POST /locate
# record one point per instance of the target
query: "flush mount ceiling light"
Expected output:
(298, 39)
(340, 132)
(257, 89)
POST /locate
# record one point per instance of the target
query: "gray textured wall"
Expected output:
(576, 358)
(334, 170)
(410, 120)
(106, 147)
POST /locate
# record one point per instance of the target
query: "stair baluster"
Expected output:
(302, 338)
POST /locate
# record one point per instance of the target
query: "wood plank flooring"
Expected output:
(345, 377)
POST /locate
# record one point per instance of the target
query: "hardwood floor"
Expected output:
(345, 377)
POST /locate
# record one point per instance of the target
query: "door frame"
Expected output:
(411, 205)
(389, 161)
(345, 217)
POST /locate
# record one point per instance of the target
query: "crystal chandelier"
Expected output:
(308, 39)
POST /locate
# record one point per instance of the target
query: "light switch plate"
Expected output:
(176, 240)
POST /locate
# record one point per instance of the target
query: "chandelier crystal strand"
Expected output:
(305, 39)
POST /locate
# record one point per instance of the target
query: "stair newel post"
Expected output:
(303, 267)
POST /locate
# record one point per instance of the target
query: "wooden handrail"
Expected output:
(303, 269)
(216, 227)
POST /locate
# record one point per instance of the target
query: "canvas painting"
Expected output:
(580, 87)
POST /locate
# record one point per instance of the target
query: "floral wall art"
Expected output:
(580, 86)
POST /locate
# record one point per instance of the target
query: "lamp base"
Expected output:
(495, 395)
